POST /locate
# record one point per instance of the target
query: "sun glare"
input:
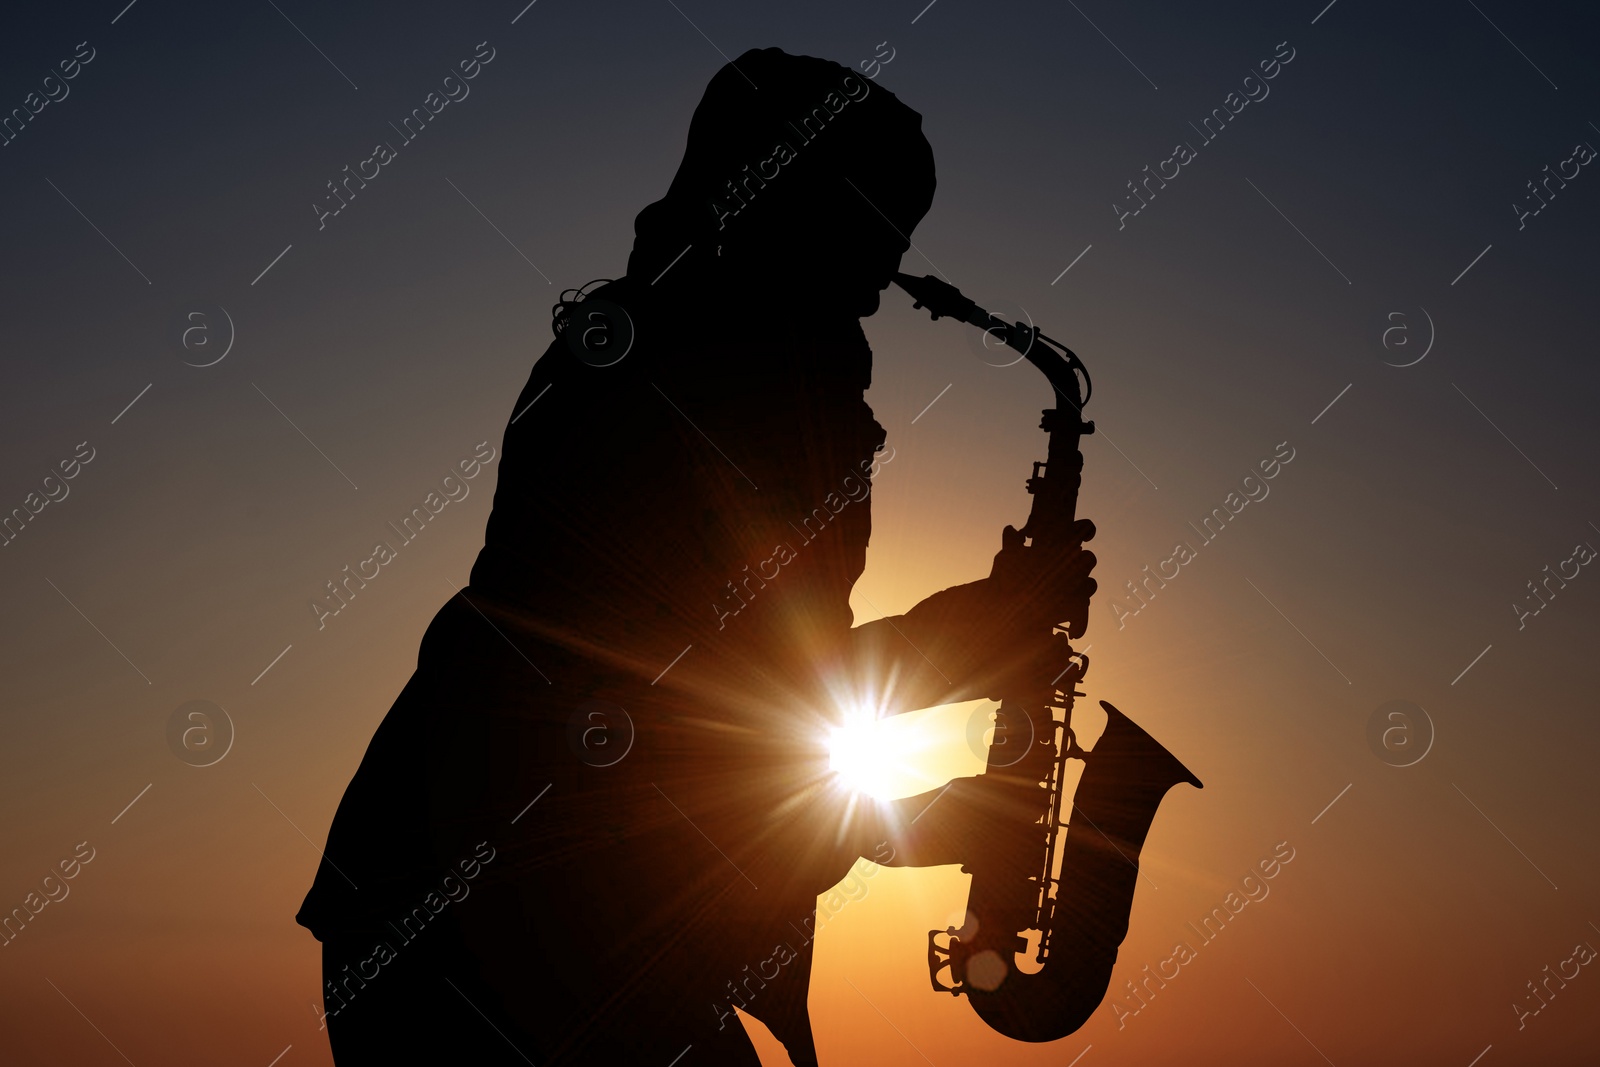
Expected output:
(857, 754)
(891, 757)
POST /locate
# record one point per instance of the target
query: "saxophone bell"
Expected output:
(1078, 920)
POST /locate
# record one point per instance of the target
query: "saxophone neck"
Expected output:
(1059, 364)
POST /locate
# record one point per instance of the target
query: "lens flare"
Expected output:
(888, 757)
(857, 753)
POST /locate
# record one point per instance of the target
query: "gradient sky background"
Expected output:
(1386, 558)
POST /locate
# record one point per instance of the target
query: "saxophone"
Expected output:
(1046, 912)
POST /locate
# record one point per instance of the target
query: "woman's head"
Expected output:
(801, 179)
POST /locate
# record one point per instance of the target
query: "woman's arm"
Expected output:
(979, 639)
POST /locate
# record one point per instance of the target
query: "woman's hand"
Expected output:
(991, 635)
(1045, 590)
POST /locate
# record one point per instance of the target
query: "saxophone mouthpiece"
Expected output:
(941, 298)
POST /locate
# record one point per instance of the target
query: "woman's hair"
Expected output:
(787, 156)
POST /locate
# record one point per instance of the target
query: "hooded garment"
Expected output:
(627, 708)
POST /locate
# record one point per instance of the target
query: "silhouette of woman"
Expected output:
(597, 818)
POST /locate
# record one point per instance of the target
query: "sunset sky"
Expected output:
(1369, 207)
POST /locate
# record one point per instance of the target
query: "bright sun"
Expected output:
(886, 758)
(858, 754)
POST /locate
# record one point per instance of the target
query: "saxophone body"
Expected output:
(1047, 910)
